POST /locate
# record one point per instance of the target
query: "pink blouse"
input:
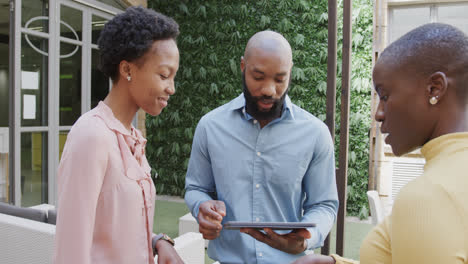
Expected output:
(106, 196)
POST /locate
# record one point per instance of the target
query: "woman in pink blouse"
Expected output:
(106, 196)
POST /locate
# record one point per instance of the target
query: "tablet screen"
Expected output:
(233, 225)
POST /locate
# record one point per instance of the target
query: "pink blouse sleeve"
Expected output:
(80, 177)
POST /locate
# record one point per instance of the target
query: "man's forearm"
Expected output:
(324, 215)
(193, 199)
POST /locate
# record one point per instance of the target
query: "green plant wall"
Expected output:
(212, 40)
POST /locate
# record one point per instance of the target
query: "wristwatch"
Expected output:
(163, 237)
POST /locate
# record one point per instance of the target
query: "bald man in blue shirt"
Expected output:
(260, 158)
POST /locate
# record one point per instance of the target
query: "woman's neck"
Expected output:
(452, 121)
(122, 105)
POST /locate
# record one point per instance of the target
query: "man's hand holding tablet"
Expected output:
(293, 243)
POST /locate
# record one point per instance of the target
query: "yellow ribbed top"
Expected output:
(429, 221)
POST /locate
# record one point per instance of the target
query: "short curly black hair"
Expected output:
(129, 35)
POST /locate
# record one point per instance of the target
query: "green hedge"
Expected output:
(213, 38)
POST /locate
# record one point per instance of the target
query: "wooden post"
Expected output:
(331, 85)
(342, 176)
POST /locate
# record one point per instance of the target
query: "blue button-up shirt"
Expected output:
(283, 172)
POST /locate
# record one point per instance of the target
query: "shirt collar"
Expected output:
(106, 114)
(239, 104)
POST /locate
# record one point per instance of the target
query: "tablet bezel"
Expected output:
(236, 225)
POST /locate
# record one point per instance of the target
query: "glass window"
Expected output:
(4, 99)
(99, 82)
(4, 64)
(62, 139)
(71, 23)
(34, 80)
(4, 180)
(115, 3)
(96, 26)
(405, 19)
(4, 91)
(454, 15)
(34, 15)
(70, 84)
(34, 178)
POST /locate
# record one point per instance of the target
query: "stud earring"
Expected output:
(433, 100)
(129, 78)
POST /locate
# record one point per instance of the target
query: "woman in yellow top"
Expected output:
(422, 82)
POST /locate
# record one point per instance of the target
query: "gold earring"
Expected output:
(129, 78)
(433, 100)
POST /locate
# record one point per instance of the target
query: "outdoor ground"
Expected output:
(169, 210)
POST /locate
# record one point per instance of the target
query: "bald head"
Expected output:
(268, 42)
(431, 48)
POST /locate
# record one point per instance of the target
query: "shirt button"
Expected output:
(257, 219)
(258, 153)
(255, 121)
(260, 254)
(258, 186)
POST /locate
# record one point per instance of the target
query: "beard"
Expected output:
(251, 105)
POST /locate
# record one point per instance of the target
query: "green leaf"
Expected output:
(202, 73)
(228, 88)
(244, 10)
(214, 88)
(183, 8)
(299, 39)
(304, 5)
(187, 72)
(219, 35)
(186, 162)
(323, 17)
(311, 72)
(235, 36)
(264, 3)
(205, 110)
(174, 117)
(283, 4)
(186, 103)
(352, 157)
(322, 117)
(231, 23)
(187, 39)
(213, 58)
(298, 74)
(322, 87)
(264, 21)
(285, 24)
(233, 66)
(186, 148)
(175, 148)
(201, 11)
(306, 17)
(363, 213)
(188, 132)
(200, 40)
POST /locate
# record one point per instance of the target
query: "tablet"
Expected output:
(233, 225)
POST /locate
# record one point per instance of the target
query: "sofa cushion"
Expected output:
(28, 213)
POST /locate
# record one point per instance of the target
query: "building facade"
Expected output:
(48, 77)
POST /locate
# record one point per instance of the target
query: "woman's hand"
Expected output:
(167, 253)
(292, 243)
(315, 259)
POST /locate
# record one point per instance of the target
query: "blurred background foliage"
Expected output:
(212, 40)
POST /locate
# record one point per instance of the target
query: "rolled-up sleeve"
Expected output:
(80, 177)
(319, 184)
